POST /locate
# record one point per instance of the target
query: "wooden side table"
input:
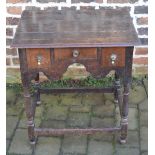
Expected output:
(101, 40)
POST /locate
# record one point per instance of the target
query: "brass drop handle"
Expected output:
(113, 58)
(39, 59)
(76, 53)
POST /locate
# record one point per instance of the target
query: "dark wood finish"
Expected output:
(107, 52)
(75, 28)
(59, 132)
(27, 96)
(117, 92)
(32, 57)
(67, 53)
(37, 90)
(127, 80)
(96, 34)
(80, 90)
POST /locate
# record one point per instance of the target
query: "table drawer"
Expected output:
(112, 57)
(75, 53)
(38, 57)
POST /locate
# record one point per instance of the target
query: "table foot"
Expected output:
(122, 141)
(33, 141)
(116, 101)
(38, 102)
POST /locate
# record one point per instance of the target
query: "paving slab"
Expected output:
(144, 138)
(10, 96)
(20, 143)
(71, 99)
(39, 111)
(48, 146)
(7, 144)
(109, 96)
(127, 151)
(11, 122)
(100, 148)
(93, 99)
(56, 112)
(133, 119)
(75, 110)
(80, 108)
(104, 110)
(53, 124)
(143, 118)
(117, 117)
(102, 122)
(78, 120)
(137, 95)
(74, 144)
(107, 137)
(15, 109)
(144, 153)
(50, 99)
(143, 106)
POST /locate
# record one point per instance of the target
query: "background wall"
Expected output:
(138, 11)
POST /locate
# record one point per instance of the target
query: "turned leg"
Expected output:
(115, 97)
(37, 92)
(29, 115)
(127, 80)
(118, 93)
(27, 96)
(117, 84)
(124, 115)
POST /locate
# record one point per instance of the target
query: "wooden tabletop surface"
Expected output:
(75, 28)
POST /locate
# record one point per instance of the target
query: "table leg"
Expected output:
(27, 95)
(37, 92)
(29, 115)
(127, 80)
(115, 97)
(118, 93)
(124, 115)
(117, 84)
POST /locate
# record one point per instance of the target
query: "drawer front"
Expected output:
(38, 58)
(75, 53)
(112, 57)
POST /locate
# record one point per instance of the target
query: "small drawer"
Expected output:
(75, 53)
(38, 57)
(112, 57)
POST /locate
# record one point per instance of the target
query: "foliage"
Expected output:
(66, 83)
(70, 83)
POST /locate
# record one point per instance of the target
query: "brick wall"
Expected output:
(138, 11)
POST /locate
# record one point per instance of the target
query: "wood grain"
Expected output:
(75, 28)
(106, 53)
(67, 53)
(32, 58)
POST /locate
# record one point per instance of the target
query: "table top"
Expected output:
(75, 28)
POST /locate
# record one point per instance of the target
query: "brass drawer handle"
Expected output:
(39, 59)
(76, 53)
(113, 58)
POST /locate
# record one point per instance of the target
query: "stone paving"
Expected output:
(79, 110)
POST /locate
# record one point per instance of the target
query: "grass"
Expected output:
(66, 83)
(70, 83)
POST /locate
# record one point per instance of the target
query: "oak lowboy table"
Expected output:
(49, 41)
